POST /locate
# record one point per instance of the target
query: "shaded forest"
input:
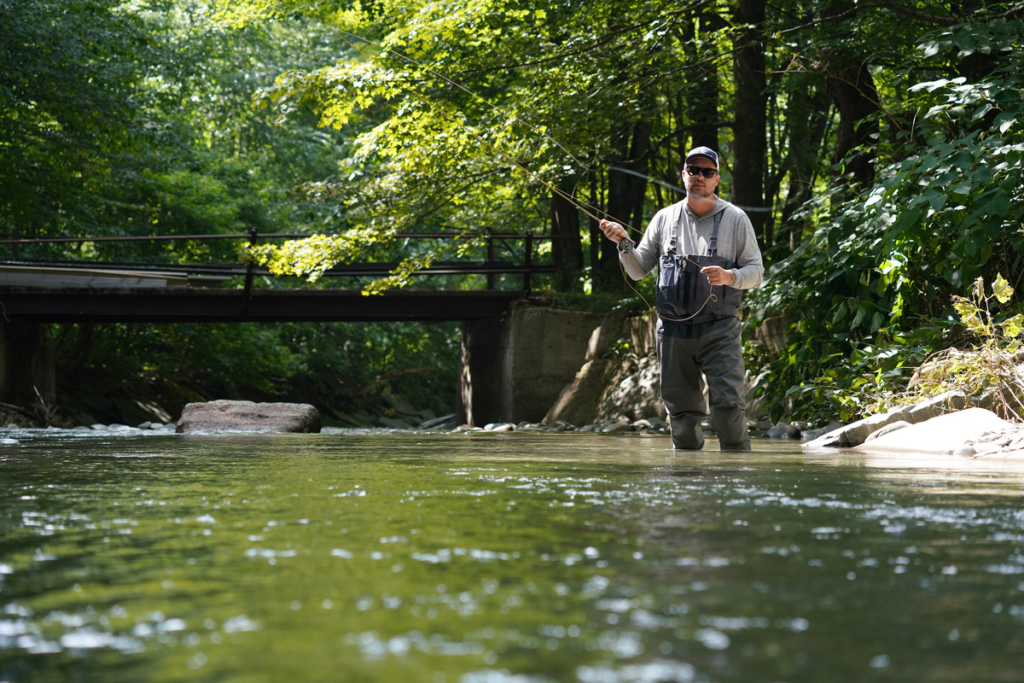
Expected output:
(877, 147)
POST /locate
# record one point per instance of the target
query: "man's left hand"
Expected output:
(719, 276)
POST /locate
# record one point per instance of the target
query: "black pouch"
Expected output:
(684, 294)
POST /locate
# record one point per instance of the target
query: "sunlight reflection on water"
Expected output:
(501, 557)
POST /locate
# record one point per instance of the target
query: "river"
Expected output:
(501, 558)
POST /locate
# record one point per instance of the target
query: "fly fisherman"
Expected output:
(707, 253)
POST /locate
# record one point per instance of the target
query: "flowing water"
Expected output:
(501, 558)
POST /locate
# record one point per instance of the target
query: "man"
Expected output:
(702, 333)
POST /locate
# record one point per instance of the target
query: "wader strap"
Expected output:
(713, 246)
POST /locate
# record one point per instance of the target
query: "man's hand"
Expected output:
(613, 231)
(719, 276)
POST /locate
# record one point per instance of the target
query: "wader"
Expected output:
(698, 337)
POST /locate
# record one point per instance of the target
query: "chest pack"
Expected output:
(684, 294)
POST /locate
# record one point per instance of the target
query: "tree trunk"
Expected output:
(848, 82)
(806, 120)
(750, 131)
(625, 203)
(566, 244)
(853, 92)
(702, 95)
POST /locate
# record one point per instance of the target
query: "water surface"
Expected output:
(501, 558)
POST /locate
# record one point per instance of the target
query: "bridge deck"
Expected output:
(181, 304)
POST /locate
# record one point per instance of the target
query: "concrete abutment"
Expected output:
(513, 368)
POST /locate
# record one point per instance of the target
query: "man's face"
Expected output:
(697, 185)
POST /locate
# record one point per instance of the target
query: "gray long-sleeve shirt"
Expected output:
(736, 241)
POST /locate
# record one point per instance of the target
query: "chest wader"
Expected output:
(709, 347)
(684, 294)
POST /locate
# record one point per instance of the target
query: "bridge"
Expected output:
(37, 292)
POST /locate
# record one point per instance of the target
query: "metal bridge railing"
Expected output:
(491, 267)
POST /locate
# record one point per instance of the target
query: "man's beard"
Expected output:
(703, 192)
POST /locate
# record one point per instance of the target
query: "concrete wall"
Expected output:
(513, 369)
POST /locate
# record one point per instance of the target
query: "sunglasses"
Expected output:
(701, 170)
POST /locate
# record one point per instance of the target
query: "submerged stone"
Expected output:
(246, 416)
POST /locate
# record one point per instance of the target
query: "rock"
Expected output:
(886, 429)
(657, 423)
(145, 425)
(984, 401)
(855, 434)
(783, 431)
(636, 392)
(618, 426)
(467, 428)
(114, 427)
(833, 438)
(812, 434)
(9, 442)
(580, 400)
(99, 427)
(439, 422)
(950, 401)
(534, 427)
(965, 451)
(12, 426)
(499, 427)
(393, 423)
(246, 416)
(944, 434)
(587, 428)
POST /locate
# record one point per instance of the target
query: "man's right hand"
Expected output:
(613, 231)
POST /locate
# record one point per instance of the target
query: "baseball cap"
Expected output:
(705, 152)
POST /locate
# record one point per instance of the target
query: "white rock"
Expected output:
(886, 430)
(940, 435)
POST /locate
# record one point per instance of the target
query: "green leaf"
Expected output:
(1013, 326)
(861, 312)
(1002, 289)
(840, 313)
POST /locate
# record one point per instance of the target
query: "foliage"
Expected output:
(377, 119)
(67, 109)
(992, 367)
(337, 367)
(946, 209)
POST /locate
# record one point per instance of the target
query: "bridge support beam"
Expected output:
(27, 363)
(513, 368)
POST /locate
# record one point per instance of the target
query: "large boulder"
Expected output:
(856, 433)
(946, 434)
(246, 416)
